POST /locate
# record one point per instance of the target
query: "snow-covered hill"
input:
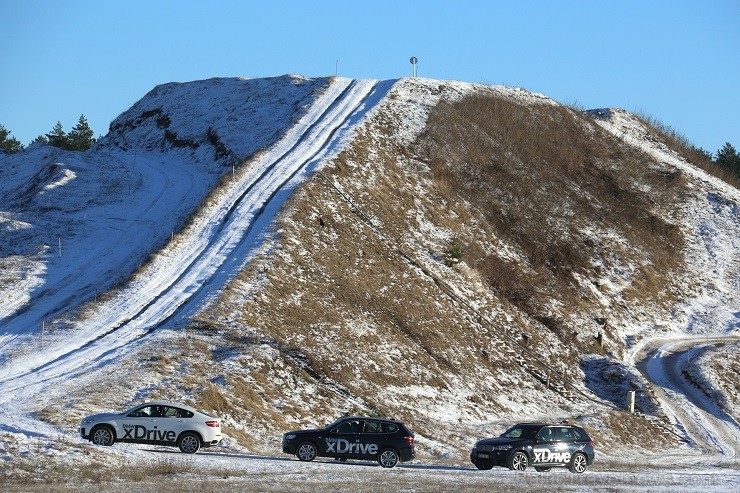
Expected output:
(174, 260)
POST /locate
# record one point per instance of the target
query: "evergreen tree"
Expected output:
(81, 136)
(729, 159)
(41, 139)
(9, 144)
(57, 137)
(703, 154)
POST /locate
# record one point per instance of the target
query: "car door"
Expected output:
(169, 423)
(136, 425)
(343, 441)
(553, 446)
(374, 438)
(571, 439)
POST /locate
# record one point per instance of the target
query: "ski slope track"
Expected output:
(177, 284)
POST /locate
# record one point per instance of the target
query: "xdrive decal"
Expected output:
(139, 432)
(342, 446)
(545, 455)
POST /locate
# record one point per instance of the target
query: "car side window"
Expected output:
(374, 427)
(566, 435)
(546, 434)
(170, 412)
(349, 427)
(377, 427)
(142, 412)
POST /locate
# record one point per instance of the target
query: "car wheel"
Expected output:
(578, 463)
(388, 458)
(518, 461)
(189, 443)
(102, 435)
(483, 466)
(542, 469)
(306, 452)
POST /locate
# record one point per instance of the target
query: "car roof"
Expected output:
(386, 420)
(542, 424)
(169, 404)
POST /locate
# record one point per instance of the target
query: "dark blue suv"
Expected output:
(352, 437)
(540, 445)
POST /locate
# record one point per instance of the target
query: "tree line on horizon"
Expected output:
(80, 138)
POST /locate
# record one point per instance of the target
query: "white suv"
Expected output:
(160, 423)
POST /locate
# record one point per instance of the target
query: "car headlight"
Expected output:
(88, 420)
(290, 436)
(502, 447)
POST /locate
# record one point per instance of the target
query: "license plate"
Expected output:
(484, 456)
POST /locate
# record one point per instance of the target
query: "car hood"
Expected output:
(500, 441)
(101, 417)
(300, 432)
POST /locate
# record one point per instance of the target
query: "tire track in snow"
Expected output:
(229, 235)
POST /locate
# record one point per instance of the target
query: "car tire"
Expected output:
(578, 463)
(102, 435)
(306, 452)
(388, 458)
(518, 461)
(188, 443)
(542, 469)
(483, 466)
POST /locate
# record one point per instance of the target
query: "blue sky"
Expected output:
(677, 61)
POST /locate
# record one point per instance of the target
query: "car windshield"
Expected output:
(521, 431)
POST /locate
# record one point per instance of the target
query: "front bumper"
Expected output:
(289, 446)
(495, 457)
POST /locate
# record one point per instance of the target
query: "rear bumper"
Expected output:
(406, 454)
(211, 443)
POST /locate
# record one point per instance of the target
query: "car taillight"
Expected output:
(213, 424)
(409, 440)
(591, 442)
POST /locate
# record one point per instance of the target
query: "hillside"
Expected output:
(454, 255)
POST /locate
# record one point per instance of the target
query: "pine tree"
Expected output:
(9, 144)
(57, 137)
(729, 159)
(81, 136)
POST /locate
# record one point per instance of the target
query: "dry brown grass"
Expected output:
(680, 143)
(543, 176)
(627, 431)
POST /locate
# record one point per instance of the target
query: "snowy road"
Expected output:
(699, 419)
(183, 276)
(224, 470)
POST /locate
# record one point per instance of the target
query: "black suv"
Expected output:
(543, 446)
(351, 437)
